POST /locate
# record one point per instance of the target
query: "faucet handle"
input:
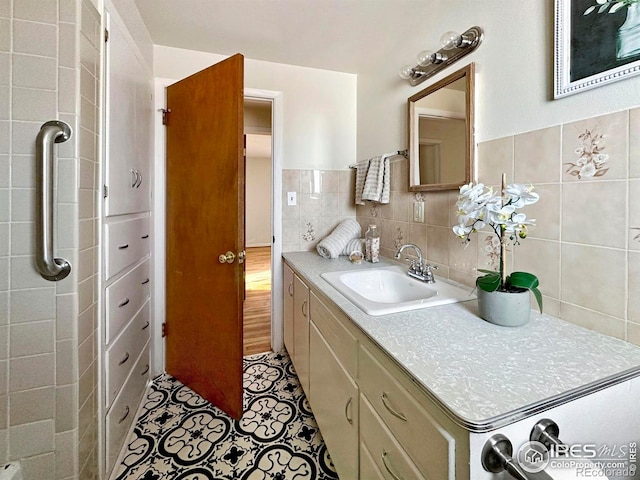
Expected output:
(427, 272)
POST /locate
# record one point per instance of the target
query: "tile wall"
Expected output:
(47, 354)
(323, 199)
(585, 248)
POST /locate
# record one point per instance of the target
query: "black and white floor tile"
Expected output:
(181, 436)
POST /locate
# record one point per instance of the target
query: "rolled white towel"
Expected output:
(333, 244)
(357, 244)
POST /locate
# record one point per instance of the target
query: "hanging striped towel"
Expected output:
(377, 181)
(362, 167)
(333, 244)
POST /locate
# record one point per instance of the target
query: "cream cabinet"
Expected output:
(301, 332)
(334, 401)
(129, 111)
(288, 309)
(376, 423)
(429, 447)
(126, 246)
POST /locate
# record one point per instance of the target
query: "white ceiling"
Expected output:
(341, 35)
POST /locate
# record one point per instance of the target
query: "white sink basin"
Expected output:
(379, 291)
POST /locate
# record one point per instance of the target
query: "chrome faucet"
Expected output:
(418, 269)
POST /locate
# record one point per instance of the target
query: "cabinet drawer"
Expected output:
(125, 243)
(368, 468)
(125, 297)
(125, 350)
(430, 446)
(343, 344)
(334, 400)
(123, 411)
(387, 455)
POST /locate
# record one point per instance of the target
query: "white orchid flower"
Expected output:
(521, 195)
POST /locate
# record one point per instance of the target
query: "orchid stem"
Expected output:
(503, 240)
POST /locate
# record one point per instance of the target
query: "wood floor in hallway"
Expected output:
(257, 304)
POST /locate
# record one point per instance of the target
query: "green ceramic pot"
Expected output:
(508, 309)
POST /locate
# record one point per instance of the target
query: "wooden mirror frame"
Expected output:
(467, 72)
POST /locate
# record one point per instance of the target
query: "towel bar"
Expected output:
(404, 153)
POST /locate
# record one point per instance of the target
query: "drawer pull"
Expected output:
(146, 325)
(393, 412)
(346, 411)
(146, 280)
(144, 237)
(123, 246)
(126, 414)
(124, 360)
(125, 302)
(304, 310)
(146, 369)
(291, 289)
(386, 466)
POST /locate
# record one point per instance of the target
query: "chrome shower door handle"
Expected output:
(52, 269)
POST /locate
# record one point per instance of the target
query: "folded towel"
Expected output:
(373, 179)
(357, 244)
(333, 244)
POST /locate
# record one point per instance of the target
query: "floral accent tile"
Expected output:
(309, 235)
(492, 249)
(596, 148)
(592, 161)
(399, 238)
(375, 210)
(418, 197)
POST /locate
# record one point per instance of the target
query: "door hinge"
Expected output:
(105, 191)
(164, 329)
(165, 115)
(106, 35)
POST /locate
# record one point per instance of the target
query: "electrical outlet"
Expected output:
(418, 212)
(291, 198)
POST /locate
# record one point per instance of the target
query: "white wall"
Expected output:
(319, 121)
(514, 66)
(258, 202)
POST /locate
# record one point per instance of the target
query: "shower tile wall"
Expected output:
(323, 199)
(585, 248)
(47, 353)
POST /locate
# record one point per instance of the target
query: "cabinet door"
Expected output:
(128, 127)
(301, 332)
(288, 308)
(334, 401)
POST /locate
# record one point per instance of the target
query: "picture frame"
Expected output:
(596, 42)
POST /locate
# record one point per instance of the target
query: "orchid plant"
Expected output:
(480, 207)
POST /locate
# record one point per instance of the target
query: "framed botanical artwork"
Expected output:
(596, 42)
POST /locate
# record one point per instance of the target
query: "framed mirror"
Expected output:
(441, 133)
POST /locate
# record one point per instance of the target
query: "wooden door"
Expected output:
(205, 219)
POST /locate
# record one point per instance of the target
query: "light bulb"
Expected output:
(406, 72)
(424, 58)
(450, 40)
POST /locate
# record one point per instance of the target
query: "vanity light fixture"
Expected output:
(453, 47)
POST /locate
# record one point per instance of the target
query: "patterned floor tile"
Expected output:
(181, 436)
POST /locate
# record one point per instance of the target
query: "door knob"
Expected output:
(241, 256)
(228, 257)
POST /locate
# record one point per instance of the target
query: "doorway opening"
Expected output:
(258, 225)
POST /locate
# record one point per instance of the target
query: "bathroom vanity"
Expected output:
(417, 394)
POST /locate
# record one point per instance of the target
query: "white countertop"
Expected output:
(484, 376)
